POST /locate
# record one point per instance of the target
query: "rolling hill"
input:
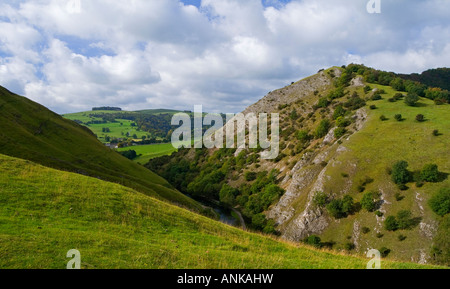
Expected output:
(44, 213)
(31, 131)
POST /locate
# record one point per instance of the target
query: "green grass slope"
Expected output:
(376, 148)
(30, 131)
(44, 213)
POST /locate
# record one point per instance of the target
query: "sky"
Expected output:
(72, 55)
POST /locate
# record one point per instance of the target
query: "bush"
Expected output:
(373, 107)
(440, 202)
(250, 176)
(384, 252)
(391, 223)
(400, 174)
(323, 128)
(349, 246)
(339, 112)
(347, 204)
(404, 220)
(365, 230)
(368, 202)
(412, 99)
(228, 194)
(383, 118)
(379, 214)
(401, 238)
(430, 173)
(314, 240)
(376, 96)
(436, 132)
(320, 199)
(398, 117)
(420, 118)
(340, 132)
(334, 208)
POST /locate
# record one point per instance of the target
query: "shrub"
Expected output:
(320, 199)
(391, 223)
(368, 202)
(376, 96)
(404, 220)
(323, 128)
(323, 103)
(379, 214)
(373, 107)
(314, 240)
(440, 202)
(398, 117)
(379, 235)
(347, 204)
(349, 246)
(436, 132)
(340, 132)
(367, 89)
(401, 238)
(400, 173)
(430, 173)
(398, 197)
(365, 230)
(412, 99)
(383, 118)
(334, 208)
(420, 118)
(384, 252)
(339, 112)
(250, 176)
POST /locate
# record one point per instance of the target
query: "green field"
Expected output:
(117, 129)
(44, 213)
(148, 152)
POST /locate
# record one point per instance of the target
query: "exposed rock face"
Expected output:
(296, 221)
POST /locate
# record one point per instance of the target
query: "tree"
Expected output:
(430, 173)
(368, 202)
(347, 204)
(398, 84)
(440, 202)
(412, 99)
(323, 128)
(400, 174)
(339, 112)
(335, 209)
(228, 194)
(404, 220)
(391, 224)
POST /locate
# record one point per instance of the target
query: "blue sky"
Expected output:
(71, 55)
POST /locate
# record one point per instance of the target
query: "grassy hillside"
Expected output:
(44, 213)
(147, 152)
(373, 151)
(30, 131)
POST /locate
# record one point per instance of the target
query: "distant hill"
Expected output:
(44, 213)
(439, 77)
(30, 131)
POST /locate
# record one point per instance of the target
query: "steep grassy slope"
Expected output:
(44, 213)
(30, 131)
